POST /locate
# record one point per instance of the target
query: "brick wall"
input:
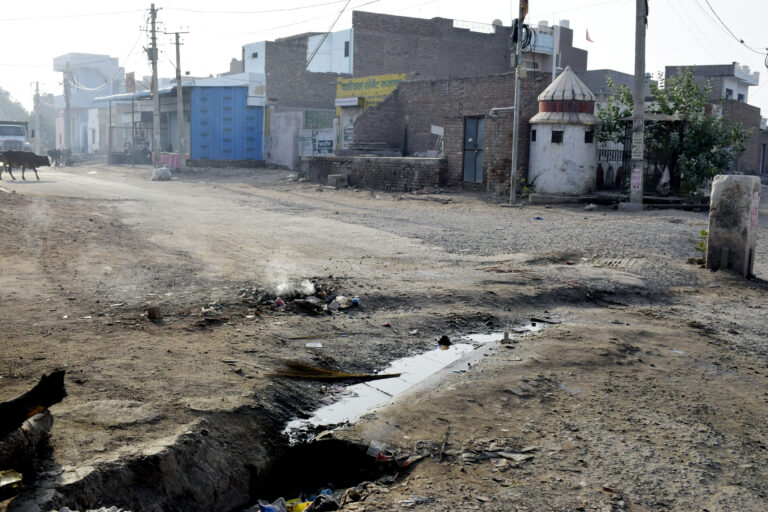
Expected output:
(425, 48)
(289, 84)
(570, 56)
(379, 173)
(748, 116)
(416, 105)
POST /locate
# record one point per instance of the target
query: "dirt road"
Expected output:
(649, 395)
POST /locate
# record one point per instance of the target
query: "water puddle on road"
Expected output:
(361, 398)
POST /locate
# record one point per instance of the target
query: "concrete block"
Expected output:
(161, 174)
(337, 180)
(733, 210)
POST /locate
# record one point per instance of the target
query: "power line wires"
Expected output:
(325, 36)
(60, 16)
(267, 11)
(737, 38)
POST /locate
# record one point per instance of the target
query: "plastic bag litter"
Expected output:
(276, 506)
(297, 505)
(323, 503)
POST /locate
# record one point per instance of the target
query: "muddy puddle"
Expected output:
(358, 399)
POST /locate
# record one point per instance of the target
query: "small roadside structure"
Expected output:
(563, 154)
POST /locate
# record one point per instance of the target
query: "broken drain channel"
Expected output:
(358, 399)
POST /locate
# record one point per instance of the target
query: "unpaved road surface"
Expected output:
(647, 392)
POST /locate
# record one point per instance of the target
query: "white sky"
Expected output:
(680, 32)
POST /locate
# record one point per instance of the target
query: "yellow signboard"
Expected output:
(373, 89)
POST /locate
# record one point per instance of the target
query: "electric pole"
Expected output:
(518, 29)
(638, 118)
(180, 103)
(37, 118)
(155, 92)
(67, 111)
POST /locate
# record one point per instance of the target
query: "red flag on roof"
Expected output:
(588, 38)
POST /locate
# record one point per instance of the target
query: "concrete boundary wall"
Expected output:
(379, 173)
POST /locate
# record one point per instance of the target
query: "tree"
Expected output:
(694, 141)
(619, 106)
(11, 110)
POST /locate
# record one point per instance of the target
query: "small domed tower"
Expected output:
(563, 151)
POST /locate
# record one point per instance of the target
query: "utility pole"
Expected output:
(155, 93)
(638, 118)
(37, 118)
(516, 128)
(180, 104)
(67, 111)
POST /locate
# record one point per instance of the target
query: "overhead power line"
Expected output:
(325, 36)
(267, 11)
(737, 38)
(59, 16)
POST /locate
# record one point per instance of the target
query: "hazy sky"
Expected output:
(679, 32)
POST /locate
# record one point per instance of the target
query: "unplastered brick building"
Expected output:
(297, 76)
(475, 118)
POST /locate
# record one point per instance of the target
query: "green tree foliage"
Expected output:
(11, 110)
(620, 105)
(698, 144)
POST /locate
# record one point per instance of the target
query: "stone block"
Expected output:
(161, 174)
(733, 210)
(337, 180)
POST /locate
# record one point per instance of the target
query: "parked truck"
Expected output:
(13, 136)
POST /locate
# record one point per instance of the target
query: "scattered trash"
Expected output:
(322, 503)
(341, 302)
(276, 506)
(356, 301)
(544, 321)
(280, 302)
(444, 342)
(539, 218)
(298, 370)
(154, 314)
(414, 332)
(314, 344)
(387, 325)
(211, 309)
(591, 207)
(10, 483)
(210, 320)
(415, 500)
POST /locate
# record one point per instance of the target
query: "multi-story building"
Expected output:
(729, 88)
(551, 50)
(298, 76)
(86, 76)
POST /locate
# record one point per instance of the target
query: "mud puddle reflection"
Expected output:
(361, 398)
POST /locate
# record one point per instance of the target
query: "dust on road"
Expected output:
(648, 396)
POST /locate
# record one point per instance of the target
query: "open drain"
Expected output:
(328, 473)
(358, 399)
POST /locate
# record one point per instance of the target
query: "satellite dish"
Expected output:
(497, 23)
